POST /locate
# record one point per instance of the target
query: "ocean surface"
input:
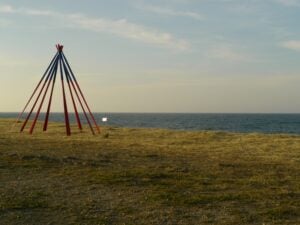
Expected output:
(245, 123)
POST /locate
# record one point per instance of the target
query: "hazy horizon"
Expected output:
(175, 56)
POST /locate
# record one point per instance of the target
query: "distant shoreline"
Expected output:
(238, 123)
(12, 122)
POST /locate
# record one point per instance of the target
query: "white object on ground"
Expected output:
(104, 119)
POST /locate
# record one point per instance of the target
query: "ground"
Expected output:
(147, 177)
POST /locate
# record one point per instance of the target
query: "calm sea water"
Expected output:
(263, 123)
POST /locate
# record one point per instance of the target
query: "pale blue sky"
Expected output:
(157, 56)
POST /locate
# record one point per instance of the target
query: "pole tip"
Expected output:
(59, 47)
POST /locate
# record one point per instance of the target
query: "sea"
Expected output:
(241, 123)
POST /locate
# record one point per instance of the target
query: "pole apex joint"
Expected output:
(59, 47)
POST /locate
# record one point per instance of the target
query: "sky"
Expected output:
(198, 56)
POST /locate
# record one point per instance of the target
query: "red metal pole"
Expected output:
(71, 93)
(82, 107)
(68, 129)
(81, 93)
(29, 114)
(21, 113)
(42, 102)
(50, 100)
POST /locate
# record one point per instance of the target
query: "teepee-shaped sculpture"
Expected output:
(59, 62)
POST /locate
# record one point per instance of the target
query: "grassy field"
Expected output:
(148, 177)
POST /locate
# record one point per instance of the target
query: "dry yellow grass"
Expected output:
(148, 177)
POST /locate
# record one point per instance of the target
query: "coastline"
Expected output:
(237, 123)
